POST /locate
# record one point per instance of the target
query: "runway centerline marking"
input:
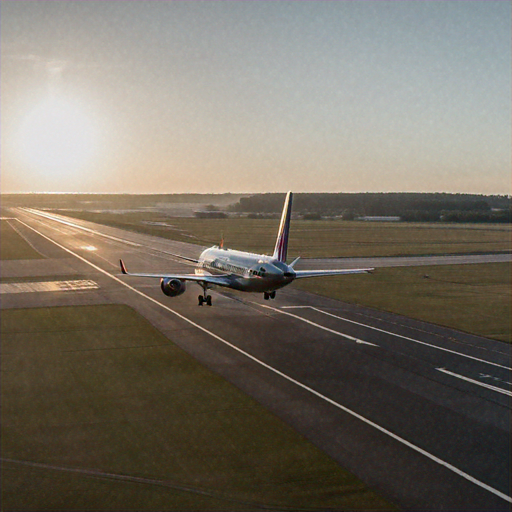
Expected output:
(401, 440)
(399, 336)
(482, 384)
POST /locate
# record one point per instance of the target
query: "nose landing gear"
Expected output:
(271, 295)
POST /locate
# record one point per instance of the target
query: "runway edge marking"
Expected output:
(417, 449)
(483, 384)
(399, 336)
(357, 340)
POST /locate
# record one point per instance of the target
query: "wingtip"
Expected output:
(123, 267)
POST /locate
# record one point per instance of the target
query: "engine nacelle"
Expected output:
(172, 287)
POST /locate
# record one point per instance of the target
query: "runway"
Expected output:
(420, 413)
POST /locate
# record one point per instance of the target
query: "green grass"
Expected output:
(97, 387)
(318, 239)
(13, 246)
(471, 298)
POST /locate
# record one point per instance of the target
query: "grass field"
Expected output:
(318, 239)
(471, 298)
(13, 246)
(114, 416)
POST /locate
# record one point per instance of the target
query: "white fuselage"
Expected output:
(246, 271)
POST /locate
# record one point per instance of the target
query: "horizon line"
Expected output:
(247, 193)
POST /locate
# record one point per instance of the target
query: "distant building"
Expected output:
(380, 218)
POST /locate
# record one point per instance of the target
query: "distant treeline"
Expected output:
(414, 207)
(113, 201)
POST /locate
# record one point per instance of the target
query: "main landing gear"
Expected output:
(205, 298)
(271, 295)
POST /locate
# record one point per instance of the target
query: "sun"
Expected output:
(57, 137)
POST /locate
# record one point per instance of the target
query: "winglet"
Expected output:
(281, 247)
(123, 267)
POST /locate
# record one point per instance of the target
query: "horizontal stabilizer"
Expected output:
(294, 262)
(300, 274)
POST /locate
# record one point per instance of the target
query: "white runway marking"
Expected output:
(49, 286)
(357, 340)
(497, 379)
(483, 384)
(410, 445)
(399, 336)
(114, 238)
(76, 226)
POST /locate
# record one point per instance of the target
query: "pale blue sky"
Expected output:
(262, 96)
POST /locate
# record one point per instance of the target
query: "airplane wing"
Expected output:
(300, 274)
(191, 260)
(220, 280)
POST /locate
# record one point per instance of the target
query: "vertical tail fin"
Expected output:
(281, 247)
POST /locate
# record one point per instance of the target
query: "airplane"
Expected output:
(243, 271)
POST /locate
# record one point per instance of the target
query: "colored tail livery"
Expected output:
(243, 271)
(281, 248)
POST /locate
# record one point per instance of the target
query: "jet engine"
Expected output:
(172, 287)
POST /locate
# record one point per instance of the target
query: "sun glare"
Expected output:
(57, 138)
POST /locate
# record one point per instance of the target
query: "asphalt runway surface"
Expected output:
(420, 413)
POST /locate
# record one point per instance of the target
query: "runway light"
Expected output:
(89, 248)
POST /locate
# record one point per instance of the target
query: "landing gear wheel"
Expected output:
(266, 296)
(273, 295)
(200, 299)
(209, 300)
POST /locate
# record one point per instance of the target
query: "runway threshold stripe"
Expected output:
(399, 336)
(48, 286)
(410, 445)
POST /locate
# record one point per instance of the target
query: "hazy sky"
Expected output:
(256, 96)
